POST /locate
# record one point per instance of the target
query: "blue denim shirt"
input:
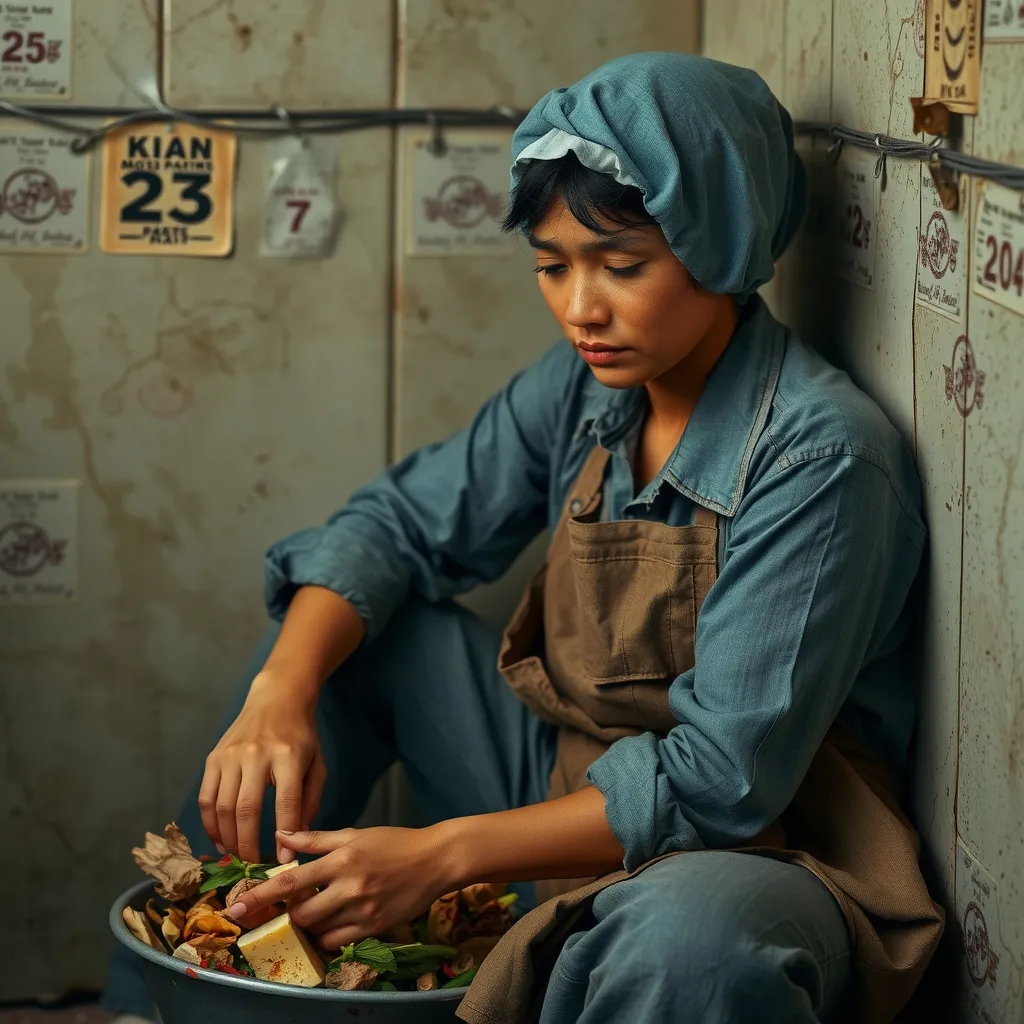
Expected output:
(820, 540)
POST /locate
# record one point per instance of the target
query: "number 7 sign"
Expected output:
(168, 190)
(302, 212)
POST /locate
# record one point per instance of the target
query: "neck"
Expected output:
(673, 396)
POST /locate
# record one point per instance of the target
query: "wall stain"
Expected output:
(209, 338)
(8, 428)
(242, 31)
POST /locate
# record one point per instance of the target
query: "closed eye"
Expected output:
(550, 269)
(629, 271)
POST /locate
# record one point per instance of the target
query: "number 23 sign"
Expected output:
(168, 190)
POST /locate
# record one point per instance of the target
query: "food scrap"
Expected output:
(442, 949)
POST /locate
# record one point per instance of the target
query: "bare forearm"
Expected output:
(565, 838)
(320, 630)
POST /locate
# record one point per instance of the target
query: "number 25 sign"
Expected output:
(168, 190)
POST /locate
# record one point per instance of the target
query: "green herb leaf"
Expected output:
(376, 954)
(412, 951)
(371, 952)
(255, 870)
(421, 930)
(383, 986)
(507, 900)
(227, 876)
(461, 980)
(211, 868)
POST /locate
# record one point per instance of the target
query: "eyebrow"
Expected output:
(621, 241)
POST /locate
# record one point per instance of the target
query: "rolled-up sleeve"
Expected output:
(818, 565)
(449, 516)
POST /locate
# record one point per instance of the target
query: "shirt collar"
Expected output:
(711, 461)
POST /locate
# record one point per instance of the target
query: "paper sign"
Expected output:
(1004, 21)
(952, 64)
(999, 245)
(35, 50)
(44, 193)
(302, 211)
(38, 541)
(987, 987)
(456, 200)
(168, 190)
(942, 274)
(856, 191)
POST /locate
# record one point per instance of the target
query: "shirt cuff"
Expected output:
(349, 565)
(639, 804)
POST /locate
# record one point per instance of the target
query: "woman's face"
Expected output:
(624, 301)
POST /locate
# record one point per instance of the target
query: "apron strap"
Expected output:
(704, 516)
(588, 484)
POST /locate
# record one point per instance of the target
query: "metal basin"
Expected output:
(215, 998)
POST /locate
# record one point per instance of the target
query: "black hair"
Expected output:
(599, 202)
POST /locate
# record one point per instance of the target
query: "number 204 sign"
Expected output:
(168, 190)
(999, 245)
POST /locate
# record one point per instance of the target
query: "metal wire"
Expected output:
(275, 122)
(279, 121)
(1007, 175)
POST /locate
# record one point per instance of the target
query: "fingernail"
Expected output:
(220, 849)
(237, 911)
(286, 856)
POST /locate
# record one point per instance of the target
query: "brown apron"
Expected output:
(601, 633)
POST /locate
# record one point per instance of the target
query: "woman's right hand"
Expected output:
(273, 741)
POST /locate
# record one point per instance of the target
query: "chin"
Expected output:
(618, 377)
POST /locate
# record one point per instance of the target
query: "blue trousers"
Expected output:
(704, 937)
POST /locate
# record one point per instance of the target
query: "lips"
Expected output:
(597, 354)
(596, 346)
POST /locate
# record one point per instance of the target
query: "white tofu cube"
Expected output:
(278, 951)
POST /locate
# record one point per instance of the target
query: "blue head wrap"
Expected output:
(708, 144)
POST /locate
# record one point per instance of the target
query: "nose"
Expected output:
(587, 306)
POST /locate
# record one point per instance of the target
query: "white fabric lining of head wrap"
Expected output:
(556, 143)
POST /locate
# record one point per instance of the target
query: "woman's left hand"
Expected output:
(369, 879)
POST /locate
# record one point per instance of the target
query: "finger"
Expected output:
(339, 937)
(227, 803)
(312, 792)
(315, 913)
(344, 918)
(314, 842)
(288, 802)
(279, 888)
(208, 804)
(248, 810)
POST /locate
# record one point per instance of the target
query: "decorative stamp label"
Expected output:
(35, 50)
(456, 199)
(856, 194)
(998, 266)
(952, 63)
(1004, 21)
(965, 383)
(44, 193)
(989, 996)
(168, 190)
(942, 274)
(38, 541)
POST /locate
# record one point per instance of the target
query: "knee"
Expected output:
(699, 935)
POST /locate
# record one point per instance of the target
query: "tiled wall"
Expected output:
(288, 382)
(858, 65)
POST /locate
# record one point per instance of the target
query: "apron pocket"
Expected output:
(641, 628)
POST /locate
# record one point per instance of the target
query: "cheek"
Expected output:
(554, 297)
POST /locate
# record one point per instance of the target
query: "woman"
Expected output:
(708, 663)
